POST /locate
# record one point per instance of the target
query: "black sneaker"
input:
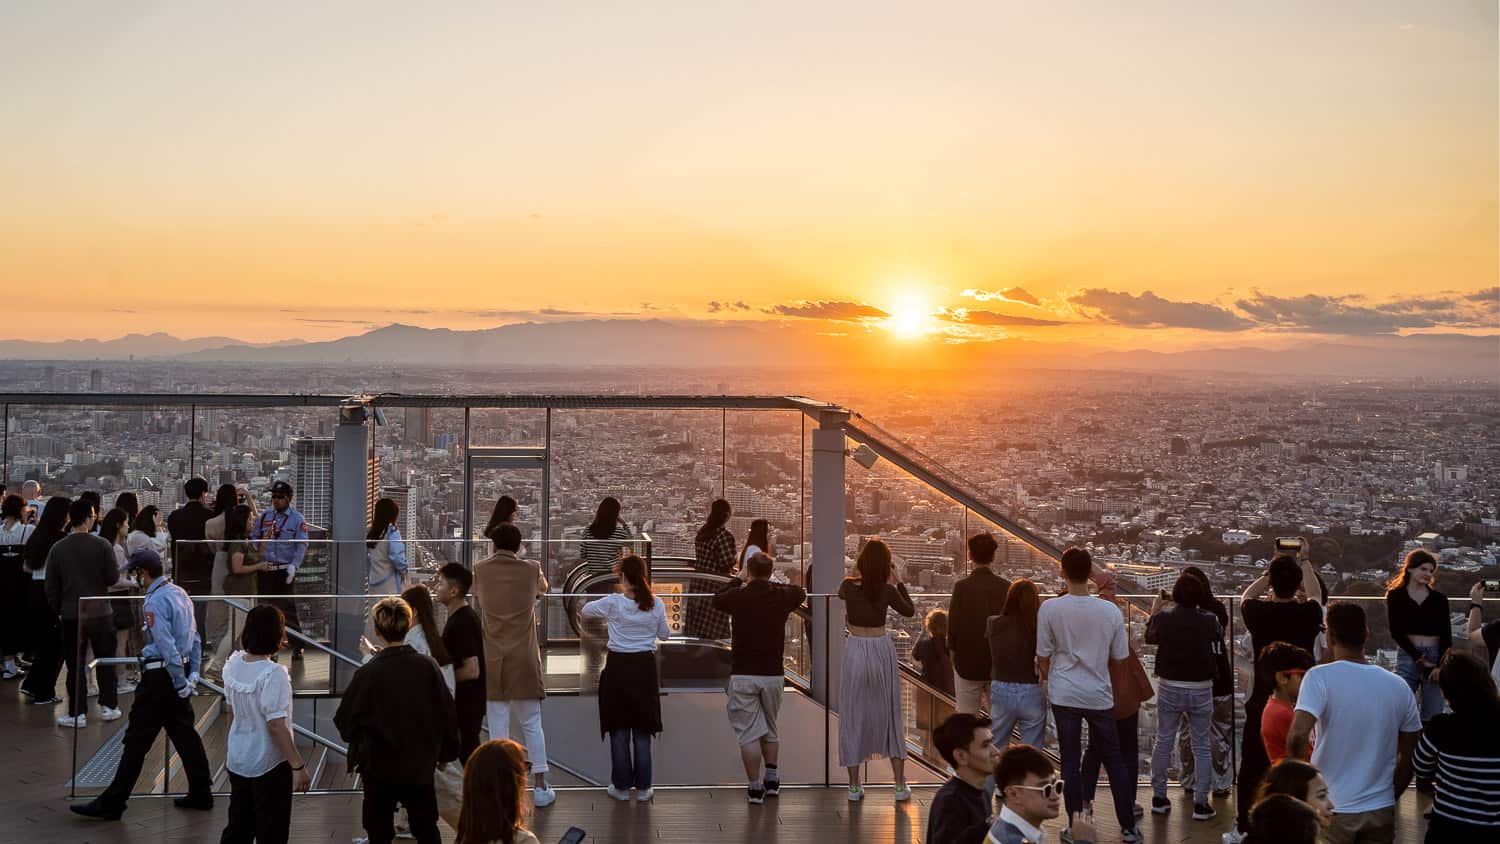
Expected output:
(1222, 793)
(1160, 806)
(202, 804)
(1203, 811)
(37, 701)
(757, 795)
(95, 809)
(773, 787)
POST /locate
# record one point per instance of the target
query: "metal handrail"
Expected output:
(306, 640)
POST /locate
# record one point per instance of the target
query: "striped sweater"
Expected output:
(1462, 756)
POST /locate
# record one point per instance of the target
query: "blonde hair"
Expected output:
(392, 618)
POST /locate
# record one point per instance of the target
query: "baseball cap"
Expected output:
(145, 559)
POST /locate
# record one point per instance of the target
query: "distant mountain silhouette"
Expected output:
(687, 343)
(157, 345)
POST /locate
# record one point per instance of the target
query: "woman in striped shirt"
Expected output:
(602, 539)
(1460, 750)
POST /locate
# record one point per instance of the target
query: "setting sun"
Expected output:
(911, 317)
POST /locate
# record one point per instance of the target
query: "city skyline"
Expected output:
(1161, 174)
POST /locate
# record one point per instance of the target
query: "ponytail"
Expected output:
(634, 570)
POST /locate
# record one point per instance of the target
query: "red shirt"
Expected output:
(1275, 723)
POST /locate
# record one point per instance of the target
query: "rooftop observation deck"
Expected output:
(694, 801)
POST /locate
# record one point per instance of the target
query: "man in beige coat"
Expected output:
(506, 589)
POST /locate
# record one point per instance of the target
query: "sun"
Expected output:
(911, 317)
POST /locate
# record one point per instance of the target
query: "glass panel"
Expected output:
(513, 426)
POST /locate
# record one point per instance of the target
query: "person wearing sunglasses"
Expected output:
(1284, 665)
(1031, 794)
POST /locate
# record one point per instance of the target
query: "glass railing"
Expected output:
(696, 748)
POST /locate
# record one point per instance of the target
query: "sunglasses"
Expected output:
(1048, 790)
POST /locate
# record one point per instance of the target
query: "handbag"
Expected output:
(448, 783)
(1131, 685)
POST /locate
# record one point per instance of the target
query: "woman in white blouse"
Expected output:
(263, 762)
(629, 688)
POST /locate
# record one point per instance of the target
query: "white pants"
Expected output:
(530, 713)
(972, 696)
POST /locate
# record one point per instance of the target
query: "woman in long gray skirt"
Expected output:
(869, 692)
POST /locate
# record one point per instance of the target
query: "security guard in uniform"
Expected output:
(169, 671)
(281, 536)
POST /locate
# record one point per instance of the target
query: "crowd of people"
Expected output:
(1330, 741)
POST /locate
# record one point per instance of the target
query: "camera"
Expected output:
(1289, 544)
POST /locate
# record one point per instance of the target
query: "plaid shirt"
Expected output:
(715, 554)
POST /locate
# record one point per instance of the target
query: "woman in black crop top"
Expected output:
(870, 723)
(1418, 616)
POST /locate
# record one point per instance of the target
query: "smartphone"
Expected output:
(1166, 595)
(572, 836)
(1492, 586)
(1290, 544)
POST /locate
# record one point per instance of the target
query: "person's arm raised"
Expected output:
(1299, 737)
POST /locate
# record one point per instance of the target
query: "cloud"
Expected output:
(1149, 310)
(843, 311)
(1010, 294)
(971, 316)
(314, 321)
(1353, 315)
(718, 307)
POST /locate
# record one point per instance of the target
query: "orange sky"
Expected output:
(285, 172)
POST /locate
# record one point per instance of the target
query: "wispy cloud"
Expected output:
(1149, 310)
(1355, 315)
(1010, 294)
(976, 316)
(724, 307)
(841, 311)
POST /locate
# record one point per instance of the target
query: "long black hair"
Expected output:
(874, 566)
(113, 521)
(634, 570)
(145, 521)
(225, 498)
(759, 535)
(386, 513)
(718, 517)
(1469, 688)
(606, 518)
(505, 511)
(234, 522)
(129, 503)
(50, 527)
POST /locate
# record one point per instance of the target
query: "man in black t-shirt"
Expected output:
(463, 636)
(1282, 618)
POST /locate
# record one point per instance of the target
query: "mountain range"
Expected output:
(679, 343)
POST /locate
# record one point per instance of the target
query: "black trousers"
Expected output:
(157, 707)
(273, 584)
(470, 724)
(15, 584)
(1253, 762)
(44, 637)
(378, 813)
(99, 634)
(260, 808)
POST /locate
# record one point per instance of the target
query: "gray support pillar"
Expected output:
(346, 575)
(827, 557)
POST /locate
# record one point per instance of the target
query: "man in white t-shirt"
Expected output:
(1077, 637)
(1368, 726)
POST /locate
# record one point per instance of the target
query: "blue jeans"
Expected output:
(1013, 704)
(1429, 696)
(623, 771)
(1104, 734)
(1171, 704)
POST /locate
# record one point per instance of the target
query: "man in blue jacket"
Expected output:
(281, 536)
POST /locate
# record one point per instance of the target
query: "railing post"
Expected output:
(351, 456)
(827, 568)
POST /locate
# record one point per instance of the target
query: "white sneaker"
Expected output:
(623, 796)
(856, 794)
(903, 793)
(543, 797)
(1233, 836)
(109, 714)
(126, 687)
(72, 721)
(643, 796)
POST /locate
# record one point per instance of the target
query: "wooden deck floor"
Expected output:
(37, 759)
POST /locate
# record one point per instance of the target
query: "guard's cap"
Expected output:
(281, 488)
(145, 559)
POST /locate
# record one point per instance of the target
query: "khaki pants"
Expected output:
(1375, 827)
(972, 696)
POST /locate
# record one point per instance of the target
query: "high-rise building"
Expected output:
(405, 498)
(1179, 446)
(96, 380)
(312, 478)
(418, 428)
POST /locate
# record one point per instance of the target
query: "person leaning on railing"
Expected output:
(1480, 633)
